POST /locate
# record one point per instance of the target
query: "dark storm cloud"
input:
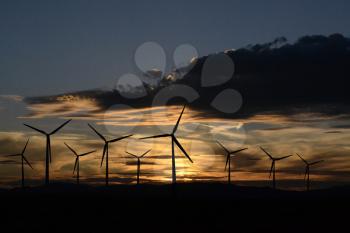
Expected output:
(287, 78)
(310, 75)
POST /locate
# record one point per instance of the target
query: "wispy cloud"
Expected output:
(307, 138)
(15, 98)
(66, 105)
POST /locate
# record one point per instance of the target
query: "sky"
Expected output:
(55, 48)
(50, 47)
(314, 139)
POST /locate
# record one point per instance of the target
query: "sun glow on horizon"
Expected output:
(198, 134)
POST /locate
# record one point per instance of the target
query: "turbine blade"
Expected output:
(178, 120)
(100, 135)
(71, 149)
(306, 171)
(316, 162)
(25, 147)
(223, 147)
(38, 130)
(227, 161)
(182, 149)
(302, 158)
(272, 165)
(121, 138)
(87, 153)
(236, 151)
(266, 152)
(47, 151)
(26, 160)
(50, 156)
(135, 156)
(284, 157)
(56, 130)
(75, 165)
(143, 155)
(103, 154)
(157, 136)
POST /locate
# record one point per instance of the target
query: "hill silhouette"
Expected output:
(191, 207)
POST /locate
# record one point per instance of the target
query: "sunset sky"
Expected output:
(314, 136)
(62, 61)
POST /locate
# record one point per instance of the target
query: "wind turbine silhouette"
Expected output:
(273, 165)
(23, 159)
(307, 170)
(229, 154)
(48, 148)
(173, 142)
(106, 149)
(77, 160)
(138, 163)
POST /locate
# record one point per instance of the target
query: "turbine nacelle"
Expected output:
(22, 155)
(273, 164)
(308, 163)
(229, 153)
(105, 148)
(77, 155)
(174, 142)
(138, 156)
(23, 160)
(274, 158)
(307, 168)
(45, 133)
(107, 142)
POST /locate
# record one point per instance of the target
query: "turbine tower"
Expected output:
(173, 142)
(273, 165)
(106, 149)
(77, 160)
(229, 154)
(48, 158)
(138, 163)
(23, 159)
(307, 170)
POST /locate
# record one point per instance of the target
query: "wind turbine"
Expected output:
(24, 159)
(173, 142)
(77, 160)
(138, 163)
(273, 165)
(229, 154)
(106, 148)
(48, 148)
(307, 170)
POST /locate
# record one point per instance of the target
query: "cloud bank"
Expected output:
(310, 75)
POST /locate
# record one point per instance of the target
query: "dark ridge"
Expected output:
(161, 208)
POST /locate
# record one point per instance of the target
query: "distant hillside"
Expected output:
(157, 208)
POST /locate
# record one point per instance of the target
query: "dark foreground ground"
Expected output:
(191, 208)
